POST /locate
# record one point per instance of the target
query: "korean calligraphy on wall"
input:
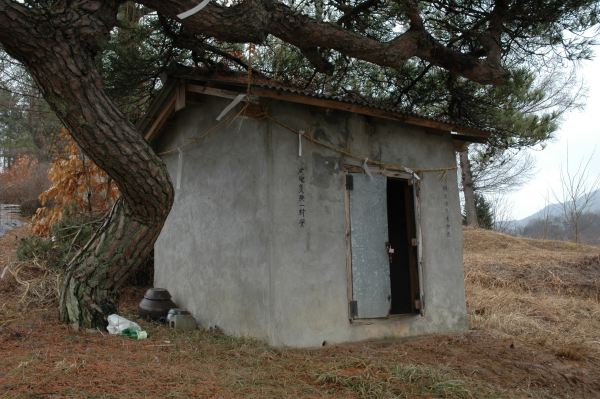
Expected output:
(301, 197)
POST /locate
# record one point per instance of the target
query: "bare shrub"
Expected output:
(25, 180)
(30, 207)
(578, 195)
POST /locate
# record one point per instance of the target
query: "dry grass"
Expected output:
(46, 359)
(38, 286)
(34, 284)
(541, 292)
(486, 247)
(518, 291)
(8, 244)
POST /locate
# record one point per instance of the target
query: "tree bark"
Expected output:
(253, 21)
(467, 183)
(58, 45)
(89, 292)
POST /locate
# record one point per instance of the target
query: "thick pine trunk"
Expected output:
(467, 183)
(90, 285)
(58, 45)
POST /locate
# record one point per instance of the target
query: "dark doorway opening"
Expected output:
(401, 232)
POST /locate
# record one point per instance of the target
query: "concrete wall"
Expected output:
(233, 250)
(213, 252)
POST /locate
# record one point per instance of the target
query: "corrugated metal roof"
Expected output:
(338, 99)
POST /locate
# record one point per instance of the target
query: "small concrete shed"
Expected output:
(305, 220)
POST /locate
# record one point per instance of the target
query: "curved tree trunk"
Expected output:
(58, 46)
(90, 287)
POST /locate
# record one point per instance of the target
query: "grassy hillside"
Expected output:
(540, 292)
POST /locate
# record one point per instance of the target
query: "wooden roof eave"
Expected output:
(164, 105)
(156, 108)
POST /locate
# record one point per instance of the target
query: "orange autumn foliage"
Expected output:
(77, 185)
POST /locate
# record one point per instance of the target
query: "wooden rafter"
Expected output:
(161, 119)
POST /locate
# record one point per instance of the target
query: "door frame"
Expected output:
(413, 181)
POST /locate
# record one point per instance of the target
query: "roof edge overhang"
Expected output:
(172, 98)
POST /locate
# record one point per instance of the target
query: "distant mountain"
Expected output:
(556, 210)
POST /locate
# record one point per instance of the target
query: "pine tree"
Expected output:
(485, 218)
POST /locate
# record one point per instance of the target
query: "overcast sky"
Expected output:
(581, 131)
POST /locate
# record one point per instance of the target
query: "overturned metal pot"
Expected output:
(156, 304)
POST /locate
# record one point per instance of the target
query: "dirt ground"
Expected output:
(41, 358)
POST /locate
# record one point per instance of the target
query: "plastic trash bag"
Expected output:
(116, 324)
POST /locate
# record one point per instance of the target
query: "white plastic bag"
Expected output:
(116, 324)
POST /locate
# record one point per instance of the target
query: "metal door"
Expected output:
(371, 288)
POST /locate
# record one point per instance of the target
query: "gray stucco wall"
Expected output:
(233, 251)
